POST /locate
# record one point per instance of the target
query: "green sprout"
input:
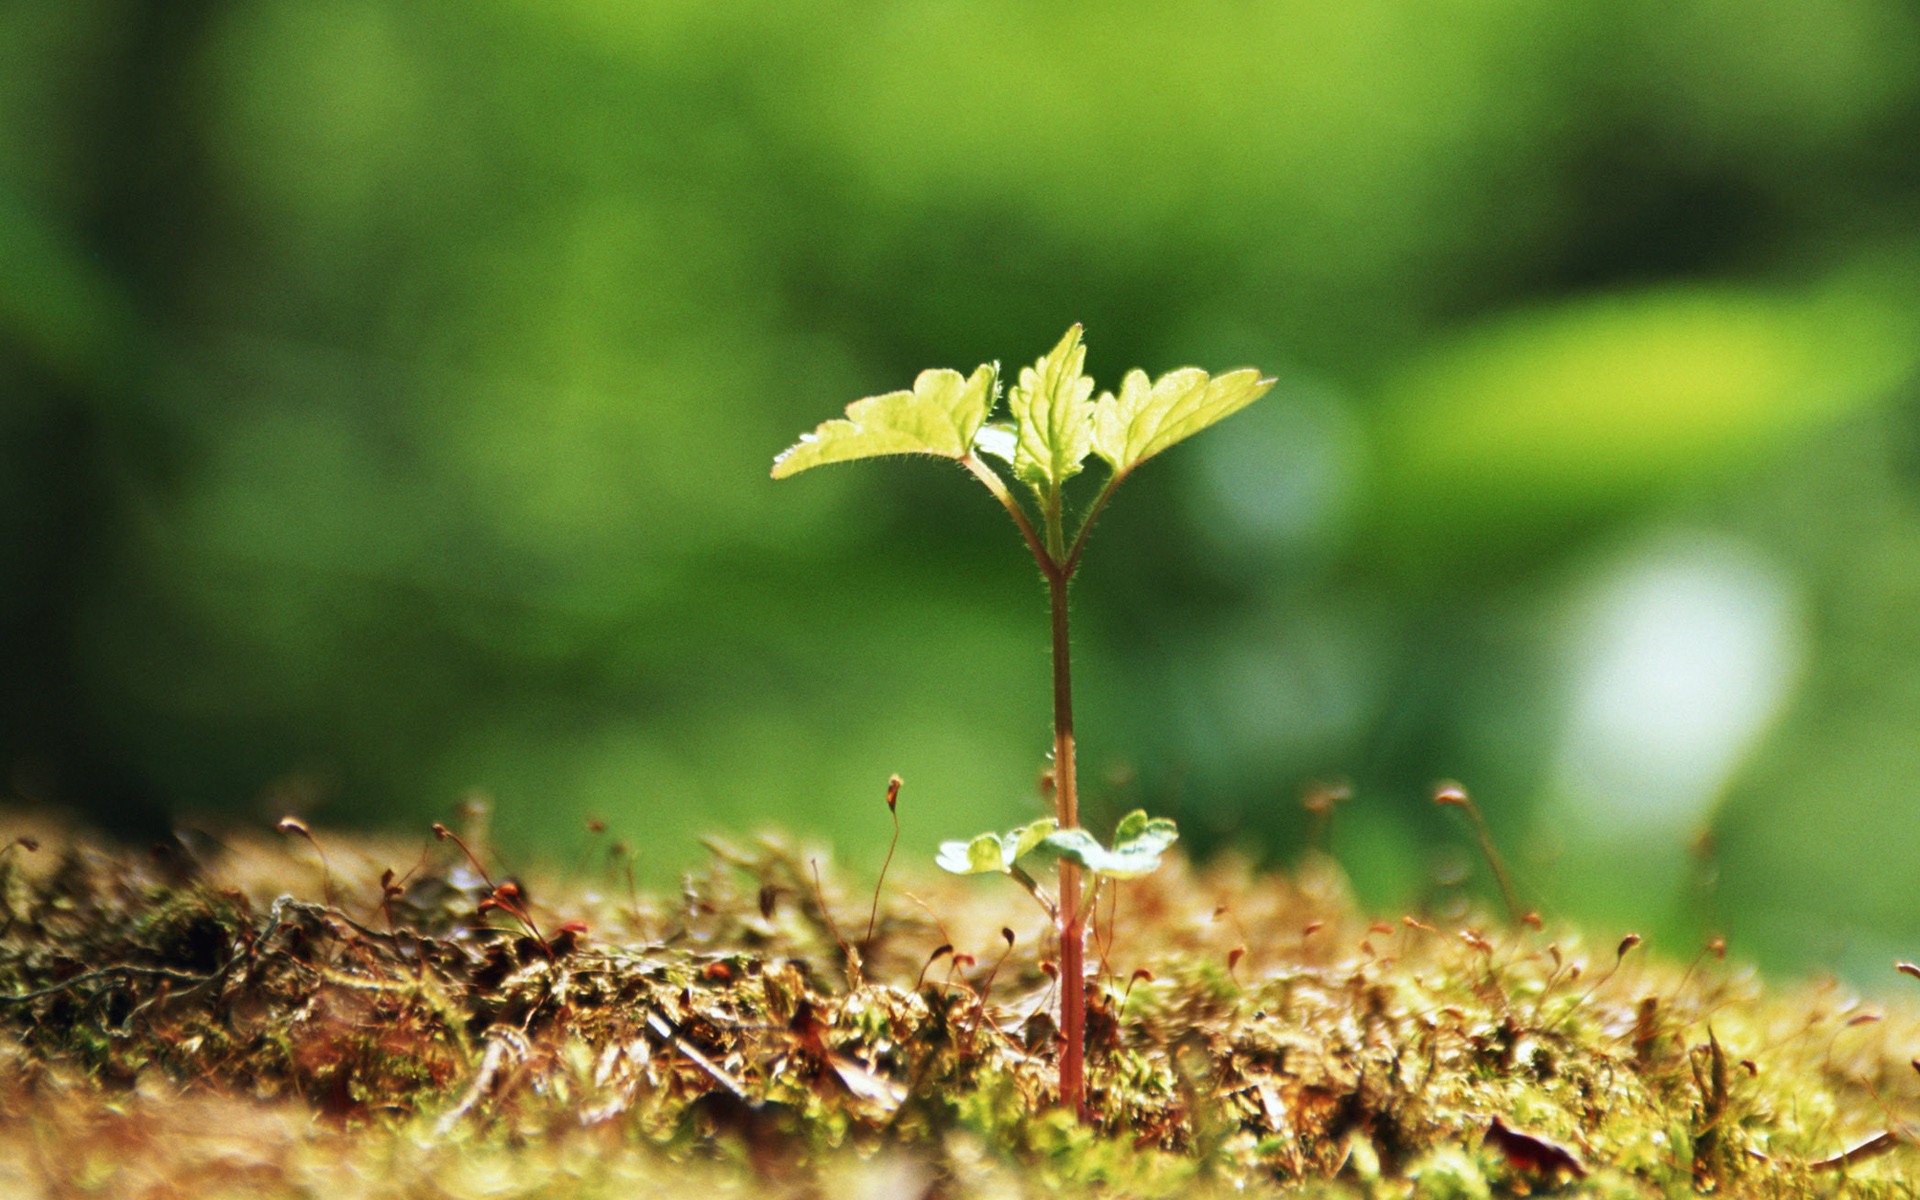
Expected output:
(1139, 842)
(1055, 422)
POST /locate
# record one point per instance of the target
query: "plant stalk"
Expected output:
(1073, 985)
(1057, 564)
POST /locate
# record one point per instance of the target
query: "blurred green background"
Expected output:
(387, 394)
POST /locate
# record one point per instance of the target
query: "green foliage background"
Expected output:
(387, 393)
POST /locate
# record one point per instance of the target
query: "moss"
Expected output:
(242, 1021)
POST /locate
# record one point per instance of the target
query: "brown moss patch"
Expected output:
(235, 1018)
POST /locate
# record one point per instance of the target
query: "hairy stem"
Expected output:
(1057, 564)
(1049, 566)
(1073, 988)
(1072, 560)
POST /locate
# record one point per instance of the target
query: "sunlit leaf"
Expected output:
(1020, 842)
(941, 415)
(1133, 825)
(1142, 420)
(1139, 843)
(994, 851)
(1052, 410)
(973, 857)
(1074, 845)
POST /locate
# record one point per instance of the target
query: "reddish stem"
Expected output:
(1057, 563)
(1073, 990)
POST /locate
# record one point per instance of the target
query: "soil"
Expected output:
(310, 1013)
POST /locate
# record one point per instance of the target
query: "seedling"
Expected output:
(1053, 424)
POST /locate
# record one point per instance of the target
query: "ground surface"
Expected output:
(230, 1017)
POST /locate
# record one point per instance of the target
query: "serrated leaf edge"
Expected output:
(1052, 410)
(1168, 406)
(863, 433)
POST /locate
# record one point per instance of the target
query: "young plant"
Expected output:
(1053, 424)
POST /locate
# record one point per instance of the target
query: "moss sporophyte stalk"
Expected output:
(1053, 423)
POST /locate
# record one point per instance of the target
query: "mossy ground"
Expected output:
(227, 1018)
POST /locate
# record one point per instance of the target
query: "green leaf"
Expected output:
(1143, 420)
(1052, 410)
(941, 415)
(1020, 842)
(994, 851)
(1132, 826)
(1138, 845)
(1139, 842)
(1140, 835)
(972, 857)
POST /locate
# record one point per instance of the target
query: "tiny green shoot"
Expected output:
(1053, 423)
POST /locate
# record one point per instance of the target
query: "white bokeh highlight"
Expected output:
(1682, 653)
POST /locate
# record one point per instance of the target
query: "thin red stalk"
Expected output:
(1452, 794)
(855, 979)
(1105, 941)
(986, 986)
(1073, 969)
(893, 799)
(1072, 560)
(295, 825)
(443, 833)
(998, 487)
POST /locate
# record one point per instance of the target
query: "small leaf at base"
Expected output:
(1138, 845)
(994, 851)
(972, 857)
